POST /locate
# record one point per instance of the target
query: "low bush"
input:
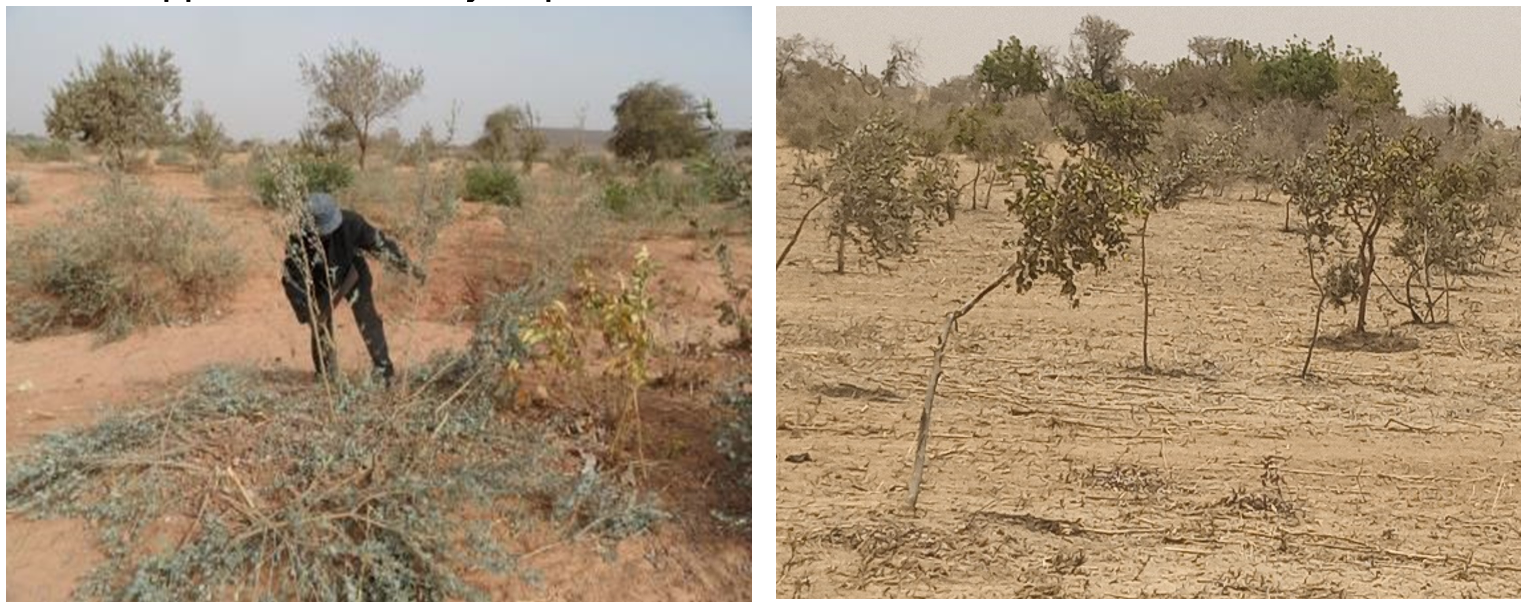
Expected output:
(35, 149)
(734, 440)
(722, 177)
(172, 156)
(124, 259)
(318, 175)
(16, 190)
(653, 193)
(493, 183)
(226, 177)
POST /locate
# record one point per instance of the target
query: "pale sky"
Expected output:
(241, 63)
(1462, 54)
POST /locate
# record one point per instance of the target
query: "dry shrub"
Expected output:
(16, 190)
(562, 230)
(226, 178)
(172, 156)
(124, 259)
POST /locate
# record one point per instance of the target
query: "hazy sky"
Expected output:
(241, 63)
(1464, 54)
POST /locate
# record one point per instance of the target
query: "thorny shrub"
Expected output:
(121, 260)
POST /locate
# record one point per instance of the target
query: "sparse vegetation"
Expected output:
(172, 156)
(1375, 201)
(36, 149)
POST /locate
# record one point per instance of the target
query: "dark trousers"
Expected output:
(370, 322)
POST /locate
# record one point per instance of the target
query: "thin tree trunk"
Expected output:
(1448, 312)
(950, 323)
(1287, 204)
(1315, 333)
(1320, 302)
(1366, 269)
(841, 239)
(974, 181)
(987, 200)
(797, 234)
(1145, 299)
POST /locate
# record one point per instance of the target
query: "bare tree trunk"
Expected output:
(1366, 271)
(841, 239)
(991, 181)
(1315, 332)
(360, 142)
(1448, 280)
(797, 234)
(1287, 204)
(950, 323)
(1145, 299)
(974, 181)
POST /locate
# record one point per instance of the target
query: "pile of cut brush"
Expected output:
(251, 485)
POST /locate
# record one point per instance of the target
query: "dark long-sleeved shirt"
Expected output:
(332, 258)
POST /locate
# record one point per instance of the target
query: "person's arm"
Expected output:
(374, 241)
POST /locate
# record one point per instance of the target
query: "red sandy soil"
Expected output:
(69, 380)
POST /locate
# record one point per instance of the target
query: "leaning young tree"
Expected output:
(1069, 219)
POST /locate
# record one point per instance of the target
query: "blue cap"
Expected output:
(326, 213)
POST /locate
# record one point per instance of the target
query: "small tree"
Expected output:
(205, 137)
(1118, 126)
(1445, 232)
(1299, 72)
(1069, 221)
(1163, 184)
(993, 142)
(1097, 53)
(1366, 84)
(509, 134)
(1352, 188)
(125, 102)
(353, 85)
(655, 121)
(879, 208)
(1012, 69)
